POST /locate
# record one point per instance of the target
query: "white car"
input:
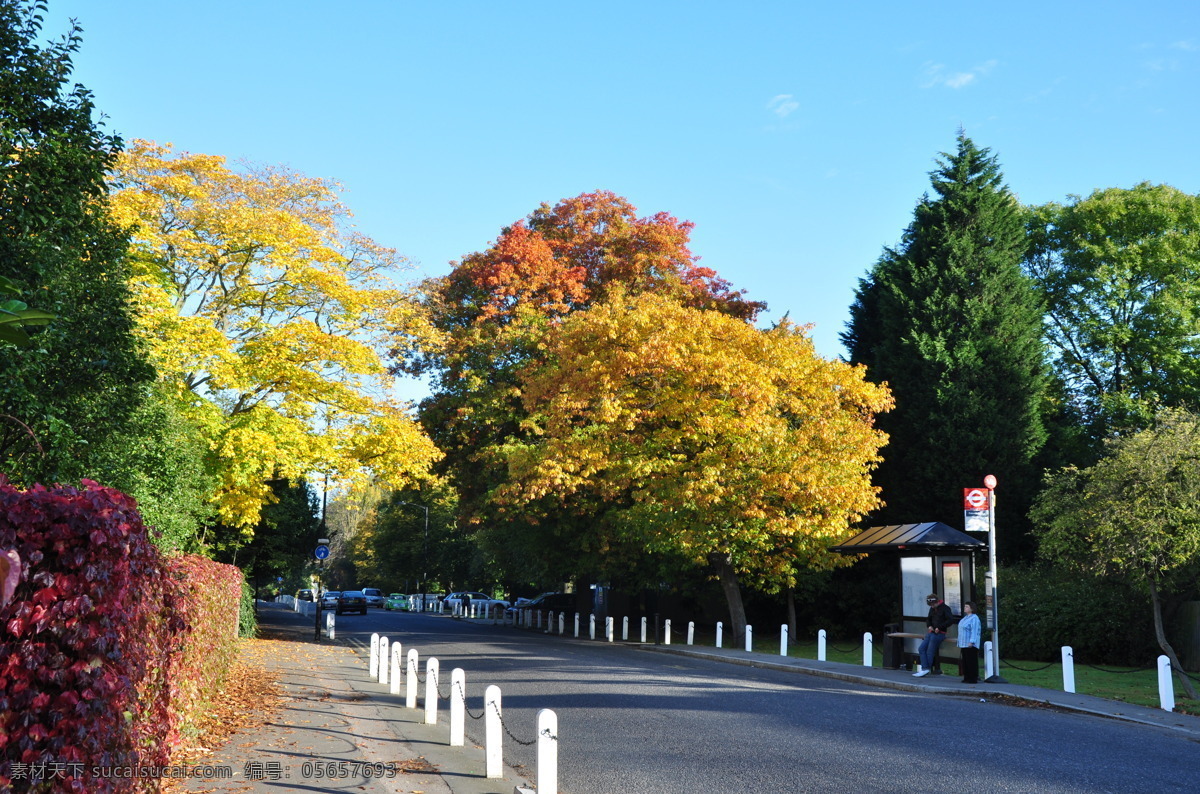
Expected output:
(374, 596)
(460, 598)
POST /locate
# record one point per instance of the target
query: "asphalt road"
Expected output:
(633, 720)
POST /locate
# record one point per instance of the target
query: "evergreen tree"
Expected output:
(951, 323)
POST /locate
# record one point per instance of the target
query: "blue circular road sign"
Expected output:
(322, 552)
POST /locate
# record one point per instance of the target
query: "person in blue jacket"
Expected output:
(969, 633)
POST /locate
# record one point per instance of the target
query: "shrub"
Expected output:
(209, 606)
(108, 651)
(1044, 607)
(247, 621)
(84, 642)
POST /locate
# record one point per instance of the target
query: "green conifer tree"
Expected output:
(951, 323)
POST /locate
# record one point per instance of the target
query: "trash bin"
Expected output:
(893, 647)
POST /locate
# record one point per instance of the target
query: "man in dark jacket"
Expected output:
(939, 620)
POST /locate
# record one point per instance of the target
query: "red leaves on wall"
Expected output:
(101, 626)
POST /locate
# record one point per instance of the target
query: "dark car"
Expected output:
(551, 602)
(352, 601)
(304, 595)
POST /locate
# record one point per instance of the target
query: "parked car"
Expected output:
(550, 602)
(351, 601)
(304, 595)
(461, 597)
(374, 596)
(396, 601)
(329, 599)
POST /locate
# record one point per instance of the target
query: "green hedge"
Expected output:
(1044, 607)
(247, 623)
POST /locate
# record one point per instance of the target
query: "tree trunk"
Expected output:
(1161, 636)
(723, 565)
(790, 594)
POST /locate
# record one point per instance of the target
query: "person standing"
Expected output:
(939, 620)
(970, 632)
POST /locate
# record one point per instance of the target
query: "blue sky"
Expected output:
(797, 136)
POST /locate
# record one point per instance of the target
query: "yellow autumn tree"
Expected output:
(700, 437)
(268, 314)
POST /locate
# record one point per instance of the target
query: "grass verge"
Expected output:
(1124, 684)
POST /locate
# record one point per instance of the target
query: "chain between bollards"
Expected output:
(511, 735)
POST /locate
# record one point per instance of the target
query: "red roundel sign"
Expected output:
(975, 499)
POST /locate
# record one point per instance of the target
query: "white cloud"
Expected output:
(936, 74)
(1188, 46)
(783, 105)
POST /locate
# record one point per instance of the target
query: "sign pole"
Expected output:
(321, 552)
(990, 483)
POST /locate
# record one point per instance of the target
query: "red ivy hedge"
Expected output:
(211, 597)
(103, 649)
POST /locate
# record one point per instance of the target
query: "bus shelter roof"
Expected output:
(931, 536)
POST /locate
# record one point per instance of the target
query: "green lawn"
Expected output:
(1115, 683)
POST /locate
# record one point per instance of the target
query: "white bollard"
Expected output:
(375, 655)
(397, 667)
(988, 672)
(576, 625)
(458, 707)
(821, 645)
(625, 629)
(667, 631)
(383, 657)
(643, 631)
(330, 626)
(562, 623)
(431, 690)
(1068, 661)
(1166, 687)
(749, 639)
(608, 629)
(538, 620)
(720, 630)
(867, 642)
(410, 680)
(547, 752)
(493, 733)
(592, 626)
(691, 632)
(783, 639)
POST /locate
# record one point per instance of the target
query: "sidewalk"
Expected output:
(339, 730)
(945, 685)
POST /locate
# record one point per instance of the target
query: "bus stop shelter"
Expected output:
(933, 558)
